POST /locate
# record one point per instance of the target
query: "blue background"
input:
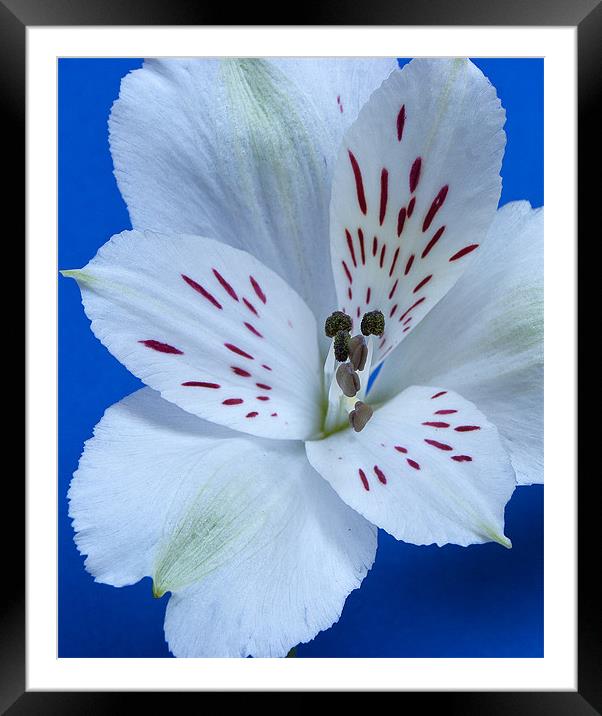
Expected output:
(480, 601)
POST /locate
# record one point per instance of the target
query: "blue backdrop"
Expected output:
(480, 601)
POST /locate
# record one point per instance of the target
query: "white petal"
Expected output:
(243, 151)
(485, 340)
(415, 189)
(428, 467)
(211, 328)
(258, 551)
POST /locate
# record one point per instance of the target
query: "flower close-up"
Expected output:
(337, 327)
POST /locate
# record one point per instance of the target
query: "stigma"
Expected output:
(347, 369)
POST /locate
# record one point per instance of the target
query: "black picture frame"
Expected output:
(586, 15)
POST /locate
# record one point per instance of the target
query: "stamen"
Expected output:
(348, 379)
(359, 416)
(358, 352)
(337, 321)
(341, 346)
(373, 323)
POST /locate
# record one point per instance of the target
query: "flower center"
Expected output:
(347, 370)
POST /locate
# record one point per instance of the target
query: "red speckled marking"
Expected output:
(347, 272)
(435, 424)
(253, 330)
(432, 242)
(240, 371)
(239, 351)
(437, 444)
(384, 193)
(364, 479)
(416, 303)
(409, 265)
(199, 289)
(462, 458)
(392, 291)
(250, 306)
(380, 474)
(360, 235)
(374, 245)
(413, 463)
(395, 255)
(368, 293)
(407, 320)
(464, 251)
(405, 330)
(392, 311)
(359, 184)
(401, 120)
(350, 293)
(263, 386)
(273, 415)
(258, 290)
(411, 206)
(445, 412)
(415, 174)
(267, 367)
(435, 206)
(226, 286)
(232, 401)
(350, 245)
(340, 103)
(438, 395)
(382, 255)
(401, 449)
(253, 414)
(401, 220)
(359, 312)
(263, 397)
(422, 283)
(466, 428)
(162, 347)
(200, 384)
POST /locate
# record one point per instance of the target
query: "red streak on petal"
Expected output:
(349, 278)
(413, 463)
(250, 306)
(462, 458)
(252, 415)
(263, 397)
(359, 312)
(423, 283)
(200, 384)
(350, 293)
(240, 371)
(368, 293)
(405, 330)
(401, 120)
(236, 349)
(435, 424)
(359, 184)
(438, 445)
(273, 415)
(350, 245)
(374, 245)
(435, 206)
(392, 291)
(401, 220)
(401, 449)
(409, 265)
(360, 235)
(232, 401)
(364, 479)
(382, 255)
(263, 386)
(445, 412)
(417, 303)
(411, 206)
(464, 251)
(392, 312)
(197, 287)
(267, 367)
(438, 395)
(229, 290)
(162, 347)
(415, 174)
(395, 255)
(432, 242)
(253, 329)
(380, 474)
(384, 193)
(407, 320)
(258, 290)
(466, 428)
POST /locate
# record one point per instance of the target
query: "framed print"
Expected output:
(287, 407)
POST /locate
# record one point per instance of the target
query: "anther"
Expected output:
(360, 416)
(341, 346)
(358, 352)
(337, 321)
(348, 379)
(373, 323)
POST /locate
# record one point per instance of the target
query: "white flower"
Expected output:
(234, 479)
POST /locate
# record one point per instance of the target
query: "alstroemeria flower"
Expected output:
(234, 479)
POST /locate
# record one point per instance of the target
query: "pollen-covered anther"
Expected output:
(337, 321)
(373, 323)
(358, 352)
(359, 416)
(348, 379)
(341, 346)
